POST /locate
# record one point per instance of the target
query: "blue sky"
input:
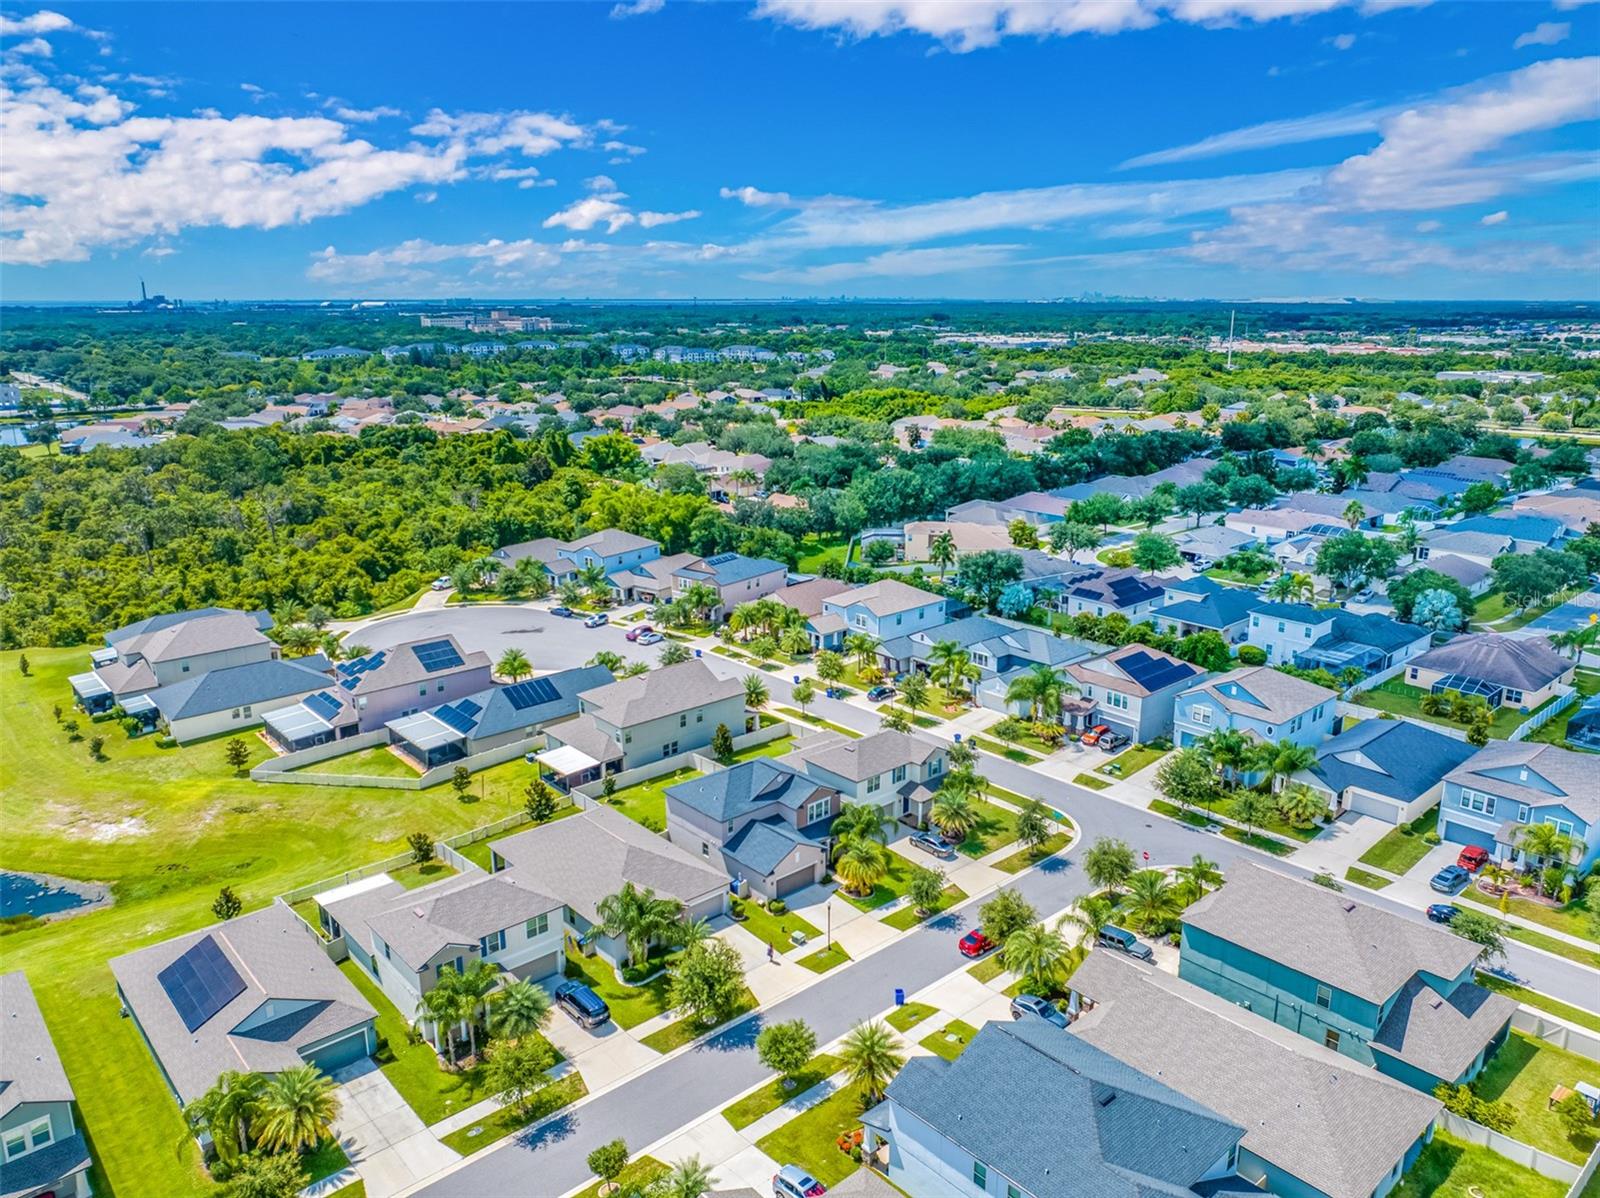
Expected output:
(974, 148)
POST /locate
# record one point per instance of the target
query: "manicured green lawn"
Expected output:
(688, 1029)
(478, 851)
(1523, 1073)
(1023, 858)
(825, 959)
(1572, 919)
(1551, 944)
(1585, 682)
(810, 1139)
(1362, 877)
(356, 1189)
(1401, 699)
(630, 1005)
(412, 876)
(1234, 576)
(989, 968)
(773, 748)
(326, 1159)
(1451, 1168)
(819, 722)
(890, 887)
(906, 1017)
(1009, 752)
(1541, 1002)
(815, 549)
(1131, 761)
(775, 929)
(907, 917)
(774, 1094)
(1197, 819)
(636, 1176)
(951, 1040)
(166, 828)
(1092, 782)
(996, 828)
(376, 762)
(1403, 846)
(646, 803)
(477, 1136)
(1275, 825)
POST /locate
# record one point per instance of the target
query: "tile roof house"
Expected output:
(256, 994)
(1388, 990)
(1507, 671)
(1493, 797)
(1392, 770)
(41, 1149)
(1263, 703)
(1317, 1124)
(1131, 689)
(1113, 1131)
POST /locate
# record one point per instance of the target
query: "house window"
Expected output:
(495, 942)
(683, 720)
(1563, 826)
(537, 926)
(1324, 996)
(899, 774)
(818, 809)
(1012, 1191)
(1330, 1039)
(423, 691)
(705, 849)
(1514, 697)
(935, 766)
(1118, 701)
(670, 749)
(1201, 715)
(1255, 621)
(1476, 800)
(1413, 673)
(20, 1140)
(246, 710)
(980, 1175)
(874, 783)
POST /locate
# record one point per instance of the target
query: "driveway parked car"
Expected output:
(792, 1181)
(635, 633)
(930, 842)
(879, 693)
(442, 583)
(1110, 742)
(975, 944)
(1092, 737)
(1443, 912)
(650, 637)
(1032, 1004)
(599, 619)
(1450, 879)
(1473, 858)
(586, 1007)
(566, 613)
(1124, 941)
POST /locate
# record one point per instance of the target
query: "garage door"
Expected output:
(789, 883)
(540, 967)
(1462, 834)
(1366, 804)
(340, 1053)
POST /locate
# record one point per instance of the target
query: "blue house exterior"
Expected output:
(1490, 799)
(887, 609)
(1256, 700)
(1329, 638)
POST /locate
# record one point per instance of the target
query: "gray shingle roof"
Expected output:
(866, 757)
(807, 597)
(1497, 768)
(762, 844)
(679, 688)
(460, 910)
(400, 666)
(1338, 1126)
(1324, 934)
(167, 619)
(31, 1173)
(1522, 663)
(1394, 758)
(886, 597)
(1279, 697)
(1442, 1035)
(30, 1069)
(730, 794)
(724, 569)
(190, 638)
(1111, 1131)
(235, 686)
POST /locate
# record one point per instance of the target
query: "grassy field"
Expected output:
(1399, 698)
(774, 1094)
(773, 748)
(1523, 1073)
(166, 828)
(1452, 1168)
(646, 803)
(1573, 919)
(1403, 846)
(951, 1040)
(810, 1139)
(477, 1136)
(375, 762)
(815, 549)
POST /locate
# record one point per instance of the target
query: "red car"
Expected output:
(1473, 858)
(975, 944)
(1094, 734)
(633, 633)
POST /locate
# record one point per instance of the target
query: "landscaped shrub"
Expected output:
(166, 742)
(777, 907)
(1252, 655)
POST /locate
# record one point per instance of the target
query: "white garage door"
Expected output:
(1378, 808)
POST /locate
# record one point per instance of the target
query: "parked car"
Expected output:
(1450, 879)
(879, 693)
(635, 633)
(792, 1181)
(1203, 563)
(975, 944)
(1110, 742)
(1124, 941)
(1362, 596)
(1092, 737)
(597, 620)
(1473, 858)
(1443, 912)
(1032, 1004)
(566, 613)
(651, 637)
(586, 1007)
(934, 844)
(442, 583)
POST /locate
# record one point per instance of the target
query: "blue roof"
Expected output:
(1375, 629)
(1406, 759)
(1214, 611)
(235, 686)
(1300, 613)
(729, 568)
(731, 793)
(1517, 526)
(762, 844)
(1198, 585)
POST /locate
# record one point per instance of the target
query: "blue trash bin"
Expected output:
(899, 997)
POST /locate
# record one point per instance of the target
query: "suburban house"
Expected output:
(404, 937)
(1583, 728)
(650, 581)
(1332, 639)
(1317, 1124)
(886, 609)
(611, 549)
(764, 822)
(635, 721)
(165, 649)
(1124, 592)
(1386, 990)
(501, 715)
(1258, 701)
(1507, 671)
(236, 697)
(588, 856)
(736, 579)
(1527, 531)
(1132, 690)
(1210, 542)
(1201, 605)
(370, 691)
(1036, 507)
(1112, 1131)
(1505, 787)
(1392, 770)
(1001, 649)
(1477, 577)
(1480, 547)
(1271, 525)
(968, 536)
(42, 1152)
(826, 630)
(254, 994)
(893, 771)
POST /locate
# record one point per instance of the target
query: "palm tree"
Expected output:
(1354, 513)
(513, 664)
(1408, 539)
(1282, 588)
(953, 813)
(570, 592)
(607, 658)
(871, 1058)
(1037, 954)
(227, 1111)
(1087, 915)
(1228, 750)
(1289, 759)
(1199, 874)
(1301, 806)
(298, 1107)
(862, 862)
(1149, 901)
(474, 988)
(689, 1178)
(1546, 844)
(861, 820)
(863, 648)
(520, 1008)
(914, 690)
(700, 598)
(1041, 688)
(690, 932)
(592, 577)
(943, 657)
(744, 619)
(638, 916)
(795, 642)
(962, 755)
(755, 692)
(942, 551)
(445, 1006)
(895, 720)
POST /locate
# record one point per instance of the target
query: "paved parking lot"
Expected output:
(551, 643)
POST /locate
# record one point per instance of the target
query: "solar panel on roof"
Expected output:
(722, 559)
(458, 718)
(534, 691)
(437, 655)
(323, 705)
(469, 707)
(1154, 673)
(200, 983)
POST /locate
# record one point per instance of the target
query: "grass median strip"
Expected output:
(906, 1017)
(775, 1093)
(691, 1027)
(1092, 782)
(1024, 858)
(951, 1040)
(819, 722)
(825, 959)
(636, 1177)
(1583, 956)
(1541, 1002)
(811, 1139)
(909, 917)
(477, 1136)
(1363, 877)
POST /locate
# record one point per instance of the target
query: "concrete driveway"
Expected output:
(383, 1137)
(603, 1055)
(551, 642)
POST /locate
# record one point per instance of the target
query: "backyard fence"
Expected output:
(1544, 715)
(285, 768)
(1581, 1185)
(697, 760)
(1513, 1150)
(1553, 1031)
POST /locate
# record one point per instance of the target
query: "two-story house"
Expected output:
(42, 1152)
(1132, 690)
(735, 578)
(166, 649)
(651, 716)
(611, 549)
(883, 610)
(826, 630)
(1508, 671)
(1124, 592)
(1392, 770)
(1000, 649)
(1333, 639)
(1200, 604)
(893, 771)
(1256, 700)
(1494, 796)
(370, 691)
(1390, 991)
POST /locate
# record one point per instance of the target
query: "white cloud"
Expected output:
(1318, 126)
(919, 263)
(1545, 33)
(622, 148)
(360, 116)
(605, 208)
(158, 251)
(35, 46)
(530, 133)
(1495, 218)
(649, 220)
(252, 88)
(1429, 226)
(407, 259)
(637, 8)
(600, 183)
(43, 21)
(754, 197)
(425, 197)
(1342, 41)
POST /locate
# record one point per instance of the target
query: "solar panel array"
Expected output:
(437, 655)
(1154, 673)
(523, 695)
(200, 983)
(461, 716)
(352, 671)
(722, 559)
(323, 705)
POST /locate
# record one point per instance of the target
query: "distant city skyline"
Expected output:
(991, 149)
